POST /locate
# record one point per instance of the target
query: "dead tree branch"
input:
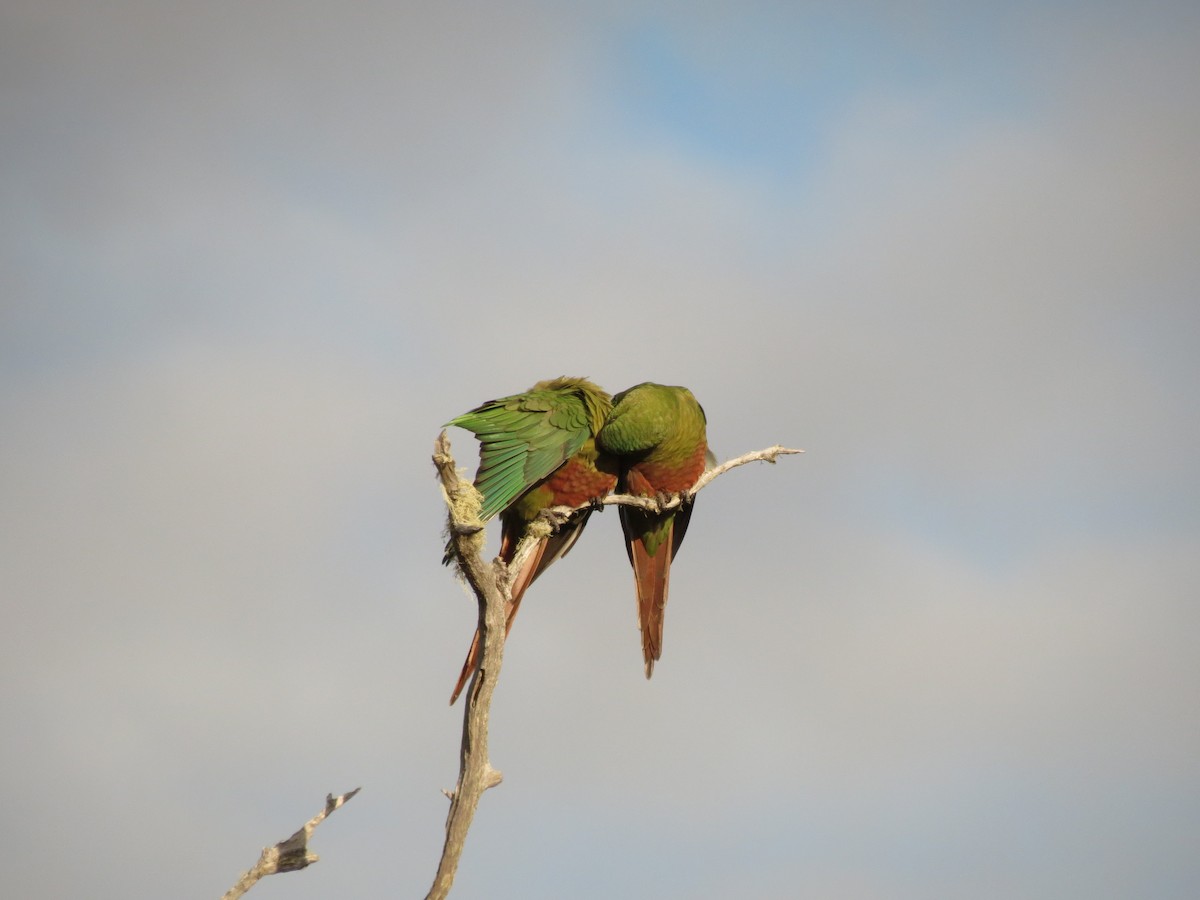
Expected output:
(288, 855)
(491, 586)
(560, 514)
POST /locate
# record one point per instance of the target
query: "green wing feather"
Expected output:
(522, 440)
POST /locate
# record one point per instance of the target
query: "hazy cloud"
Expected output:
(254, 256)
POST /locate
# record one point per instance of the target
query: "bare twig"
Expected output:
(769, 455)
(491, 588)
(288, 855)
(559, 514)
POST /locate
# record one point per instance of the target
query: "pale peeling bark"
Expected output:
(491, 587)
(288, 855)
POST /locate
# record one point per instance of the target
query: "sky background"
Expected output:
(252, 255)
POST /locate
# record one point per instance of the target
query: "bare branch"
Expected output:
(560, 514)
(288, 855)
(769, 455)
(491, 585)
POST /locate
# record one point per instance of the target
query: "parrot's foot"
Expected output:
(555, 518)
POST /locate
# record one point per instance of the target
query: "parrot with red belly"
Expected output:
(657, 433)
(537, 450)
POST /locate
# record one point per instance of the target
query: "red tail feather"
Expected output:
(652, 575)
(529, 571)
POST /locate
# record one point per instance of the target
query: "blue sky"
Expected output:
(757, 94)
(253, 255)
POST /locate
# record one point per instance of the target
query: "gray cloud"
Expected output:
(253, 258)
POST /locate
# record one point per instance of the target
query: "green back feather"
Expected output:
(524, 438)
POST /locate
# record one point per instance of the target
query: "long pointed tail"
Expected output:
(652, 576)
(524, 578)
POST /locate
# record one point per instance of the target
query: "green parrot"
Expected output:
(657, 432)
(537, 450)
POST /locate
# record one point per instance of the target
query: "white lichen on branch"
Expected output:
(490, 585)
(289, 855)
